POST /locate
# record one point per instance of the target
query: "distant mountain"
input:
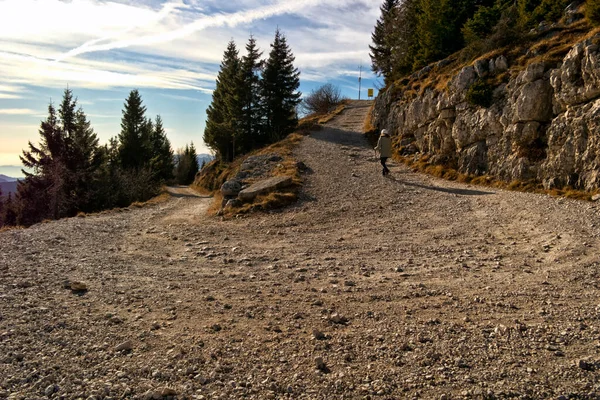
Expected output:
(204, 157)
(12, 171)
(4, 178)
(8, 187)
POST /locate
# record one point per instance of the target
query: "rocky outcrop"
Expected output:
(265, 186)
(543, 123)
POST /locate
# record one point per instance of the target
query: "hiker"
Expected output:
(384, 147)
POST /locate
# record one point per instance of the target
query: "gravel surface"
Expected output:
(369, 287)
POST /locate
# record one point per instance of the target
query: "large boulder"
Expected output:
(266, 186)
(231, 188)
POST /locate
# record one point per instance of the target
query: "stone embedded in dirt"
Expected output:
(317, 334)
(265, 186)
(50, 390)
(125, 346)
(78, 286)
(338, 319)
(596, 197)
(320, 364)
(164, 392)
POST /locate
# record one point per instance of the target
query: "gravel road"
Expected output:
(370, 287)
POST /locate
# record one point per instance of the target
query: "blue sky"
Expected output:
(169, 50)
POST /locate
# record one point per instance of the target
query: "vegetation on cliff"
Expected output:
(411, 34)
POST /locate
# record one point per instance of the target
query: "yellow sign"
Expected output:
(370, 92)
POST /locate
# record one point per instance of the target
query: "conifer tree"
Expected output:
(279, 85)
(194, 166)
(162, 154)
(42, 193)
(251, 133)
(187, 165)
(10, 213)
(224, 112)
(1, 209)
(134, 139)
(383, 39)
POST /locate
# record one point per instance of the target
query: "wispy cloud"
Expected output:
(200, 24)
(17, 111)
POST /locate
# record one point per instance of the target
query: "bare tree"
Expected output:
(322, 100)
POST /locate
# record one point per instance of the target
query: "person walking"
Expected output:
(384, 148)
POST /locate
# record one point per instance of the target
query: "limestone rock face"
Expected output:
(265, 186)
(543, 124)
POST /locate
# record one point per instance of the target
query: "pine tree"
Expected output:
(193, 161)
(10, 212)
(42, 194)
(592, 11)
(84, 159)
(250, 129)
(1, 209)
(279, 85)
(224, 112)
(162, 154)
(134, 151)
(383, 39)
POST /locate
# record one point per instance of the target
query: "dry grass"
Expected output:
(161, 198)
(11, 228)
(217, 174)
(451, 174)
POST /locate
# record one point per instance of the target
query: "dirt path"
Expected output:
(405, 287)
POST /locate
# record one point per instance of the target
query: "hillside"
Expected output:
(400, 287)
(8, 187)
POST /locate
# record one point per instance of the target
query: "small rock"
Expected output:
(50, 390)
(596, 197)
(320, 364)
(78, 286)
(125, 346)
(317, 334)
(338, 319)
(168, 392)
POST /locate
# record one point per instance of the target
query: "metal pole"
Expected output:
(359, 79)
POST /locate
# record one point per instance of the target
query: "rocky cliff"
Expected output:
(542, 121)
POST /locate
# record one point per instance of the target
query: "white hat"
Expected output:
(384, 132)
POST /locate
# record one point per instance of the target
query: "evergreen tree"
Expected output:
(1, 209)
(592, 11)
(10, 212)
(134, 139)
(224, 112)
(404, 45)
(383, 39)
(162, 155)
(193, 161)
(187, 165)
(42, 193)
(84, 160)
(279, 85)
(250, 129)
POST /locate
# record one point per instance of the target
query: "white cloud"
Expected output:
(178, 44)
(17, 111)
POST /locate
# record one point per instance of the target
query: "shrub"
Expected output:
(592, 11)
(480, 93)
(322, 100)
